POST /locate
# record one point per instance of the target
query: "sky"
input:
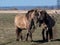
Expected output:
(27, 3)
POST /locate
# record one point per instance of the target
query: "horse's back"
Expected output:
(21, 21)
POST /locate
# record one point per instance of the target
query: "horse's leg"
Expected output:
(18, 32)
(46, 35)
(21, 34)
(43, 35)
(50, 33)
(27, 36)
(30, 35)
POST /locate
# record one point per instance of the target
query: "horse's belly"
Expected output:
(22, 23)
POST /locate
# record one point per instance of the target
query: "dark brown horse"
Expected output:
(26, 22)
(49, 23)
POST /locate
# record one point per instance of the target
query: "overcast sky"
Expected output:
(27, 2)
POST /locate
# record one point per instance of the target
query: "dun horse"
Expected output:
(48, 23)
(26, 22)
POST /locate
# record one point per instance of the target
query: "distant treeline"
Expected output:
(28, 7)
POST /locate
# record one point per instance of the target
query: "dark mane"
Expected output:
(43, 12)
(27, 14)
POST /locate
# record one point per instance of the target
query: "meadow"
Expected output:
(8, 35)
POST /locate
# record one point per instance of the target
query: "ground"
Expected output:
(8, 35)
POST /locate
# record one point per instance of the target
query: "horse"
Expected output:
(48, 24)
(26, 22)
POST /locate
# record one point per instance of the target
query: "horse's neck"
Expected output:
(30, 16)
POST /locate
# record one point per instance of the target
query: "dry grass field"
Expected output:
(8, 35)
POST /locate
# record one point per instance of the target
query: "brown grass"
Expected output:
(8, 35)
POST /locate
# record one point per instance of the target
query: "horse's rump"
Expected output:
(21, 21)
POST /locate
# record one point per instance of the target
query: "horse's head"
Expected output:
(33, 15)
(42, 17)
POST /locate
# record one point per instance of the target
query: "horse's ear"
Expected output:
(46, 15)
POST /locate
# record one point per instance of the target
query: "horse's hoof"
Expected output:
(46, 40)
(26, 40)
(17, 39)
(31, 40)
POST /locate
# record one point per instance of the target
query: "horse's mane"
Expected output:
(27, 14)
(43, 11)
